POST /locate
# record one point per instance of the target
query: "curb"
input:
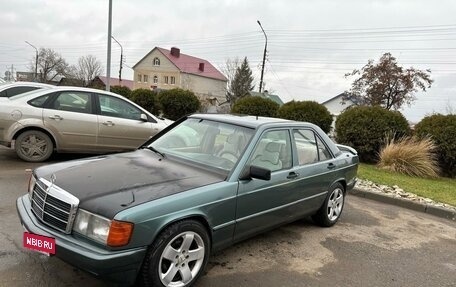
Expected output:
(417, 206)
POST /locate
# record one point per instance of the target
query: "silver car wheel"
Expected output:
(181, 259)
(335, 204)
(34, 146)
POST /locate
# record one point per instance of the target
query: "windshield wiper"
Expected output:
(155, 151)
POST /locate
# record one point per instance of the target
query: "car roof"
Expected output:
(29, 95)
(25, 84)
(247, 121)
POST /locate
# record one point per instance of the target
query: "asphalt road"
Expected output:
(373, 244)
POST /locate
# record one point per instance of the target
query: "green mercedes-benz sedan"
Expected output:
(154, 215)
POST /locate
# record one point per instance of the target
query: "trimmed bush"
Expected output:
(121, 90)
(442, 130)
(366, 128)
(307, 111)
(410, 156)
(255, 106)
(146, 99)
(177, 103)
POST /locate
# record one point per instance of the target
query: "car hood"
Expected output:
(106, 185)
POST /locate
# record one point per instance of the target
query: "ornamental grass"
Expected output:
(410, 156)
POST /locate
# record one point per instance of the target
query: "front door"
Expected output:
(120, 126)
(260, 203)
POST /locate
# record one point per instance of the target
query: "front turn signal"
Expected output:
(119, 233)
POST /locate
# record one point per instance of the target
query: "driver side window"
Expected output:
(114, 107)
(273, 151)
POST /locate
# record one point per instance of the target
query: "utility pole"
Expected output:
(264, 55)
(108, 65)
(121, 61)
(12, 73)
(36, 61)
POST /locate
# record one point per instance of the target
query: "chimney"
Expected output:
(175, 52)
(201, 67)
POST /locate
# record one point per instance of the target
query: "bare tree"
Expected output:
(387, 84)
(229, 70)
(50, 65)
(87, 68)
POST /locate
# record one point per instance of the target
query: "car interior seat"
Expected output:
(270, 157)
(230, 148)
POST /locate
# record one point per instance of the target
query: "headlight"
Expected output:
(31, 186)
(92, 226)
(103, 230)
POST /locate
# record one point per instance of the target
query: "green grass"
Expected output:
(439, 189)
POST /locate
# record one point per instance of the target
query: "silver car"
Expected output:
(72, 119)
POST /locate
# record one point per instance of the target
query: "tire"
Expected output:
(331, 210)
(169, 262)
(34, 146)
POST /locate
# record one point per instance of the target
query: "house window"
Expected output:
(139, 78)
(173, 80)
(155, 79)
(165, 79)
(146, 78)
(156, 61)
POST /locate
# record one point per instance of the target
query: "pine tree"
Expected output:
(242, 82)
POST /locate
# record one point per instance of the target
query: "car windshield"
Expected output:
(215, 144)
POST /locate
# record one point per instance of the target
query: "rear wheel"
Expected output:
(178, 256)
(34, 146)
(332, 208)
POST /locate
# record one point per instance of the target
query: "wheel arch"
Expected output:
(196, 217)
(31, 128)
(342, 181)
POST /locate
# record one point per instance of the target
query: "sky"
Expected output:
(311, 44)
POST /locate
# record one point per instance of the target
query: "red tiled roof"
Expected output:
(115, 82)
(189, 64)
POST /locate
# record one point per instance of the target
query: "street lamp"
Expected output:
(108, 64)
(36, 60)
(264, 55)
(121, 59)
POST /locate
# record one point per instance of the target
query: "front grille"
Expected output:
(48, 206)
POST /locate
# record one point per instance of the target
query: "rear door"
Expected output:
(69, 115)
(314, 164)
(120, 126)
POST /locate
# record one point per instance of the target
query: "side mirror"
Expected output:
(144, 118)
(256, 172)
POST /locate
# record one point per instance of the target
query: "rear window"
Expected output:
(16, 91)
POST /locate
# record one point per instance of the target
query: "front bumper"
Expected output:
(119, 266)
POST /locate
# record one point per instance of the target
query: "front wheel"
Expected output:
(178, 256)
(34, 146)
(332, 208)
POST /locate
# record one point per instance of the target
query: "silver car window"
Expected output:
(115, 107)
(70, 101)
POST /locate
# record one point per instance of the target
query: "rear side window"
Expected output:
(79, 102)
(39, 102)
(310, 148)
(16, 91)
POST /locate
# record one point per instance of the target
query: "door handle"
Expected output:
(331, 165)
(56, 117)
(108, 123)
(292, 175)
